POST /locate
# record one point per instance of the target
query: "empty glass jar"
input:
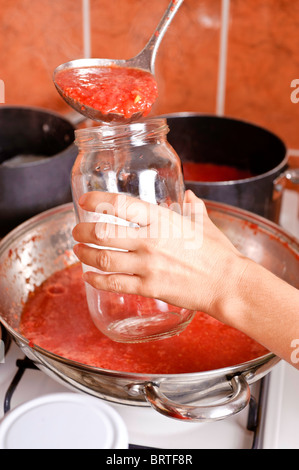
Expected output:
(133, 159)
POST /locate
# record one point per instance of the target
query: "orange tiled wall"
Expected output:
(258, 65)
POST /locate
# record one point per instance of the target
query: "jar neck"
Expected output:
(105, 136)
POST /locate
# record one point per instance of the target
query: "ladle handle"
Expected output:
(146, 58)
(236, 402)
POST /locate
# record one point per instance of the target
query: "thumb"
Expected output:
(195, 203)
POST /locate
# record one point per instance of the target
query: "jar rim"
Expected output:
(108, 132)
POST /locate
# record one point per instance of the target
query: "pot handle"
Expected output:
(238, 400)
(279, 183)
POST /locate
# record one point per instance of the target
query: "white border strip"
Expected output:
(221, 84)
(86, 29)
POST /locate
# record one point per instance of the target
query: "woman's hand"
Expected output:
(184, 260)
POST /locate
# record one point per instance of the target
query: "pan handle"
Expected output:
(238, 400)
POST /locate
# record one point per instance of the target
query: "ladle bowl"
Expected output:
(145, 60)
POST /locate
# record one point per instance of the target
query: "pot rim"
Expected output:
(274, 170)
(281, 233)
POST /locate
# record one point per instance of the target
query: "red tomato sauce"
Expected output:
(113, 89)
(212, 172)
(56, 318)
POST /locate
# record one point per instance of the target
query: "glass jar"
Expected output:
(136, 160)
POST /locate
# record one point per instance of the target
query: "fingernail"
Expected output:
(82, 199)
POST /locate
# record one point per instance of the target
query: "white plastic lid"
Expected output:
(63, 421)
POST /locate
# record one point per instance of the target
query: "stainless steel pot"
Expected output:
(43, 244)
(244, 145)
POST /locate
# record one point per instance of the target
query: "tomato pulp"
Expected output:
(56, 317)
(110, 89)
(211, 172)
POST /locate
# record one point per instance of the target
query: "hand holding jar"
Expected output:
(131, 160)
(192, 265)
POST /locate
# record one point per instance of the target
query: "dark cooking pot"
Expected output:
(226, 141)
(43, 245)
(36, 156)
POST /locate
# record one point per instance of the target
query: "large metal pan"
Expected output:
(43, 244)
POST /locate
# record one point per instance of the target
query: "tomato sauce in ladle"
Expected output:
(114, 90)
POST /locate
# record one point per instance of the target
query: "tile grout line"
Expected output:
(221, 82)
(86, 28)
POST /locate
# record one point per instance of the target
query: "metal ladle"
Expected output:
(144, 60)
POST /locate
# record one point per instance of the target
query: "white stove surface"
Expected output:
(146, 427)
